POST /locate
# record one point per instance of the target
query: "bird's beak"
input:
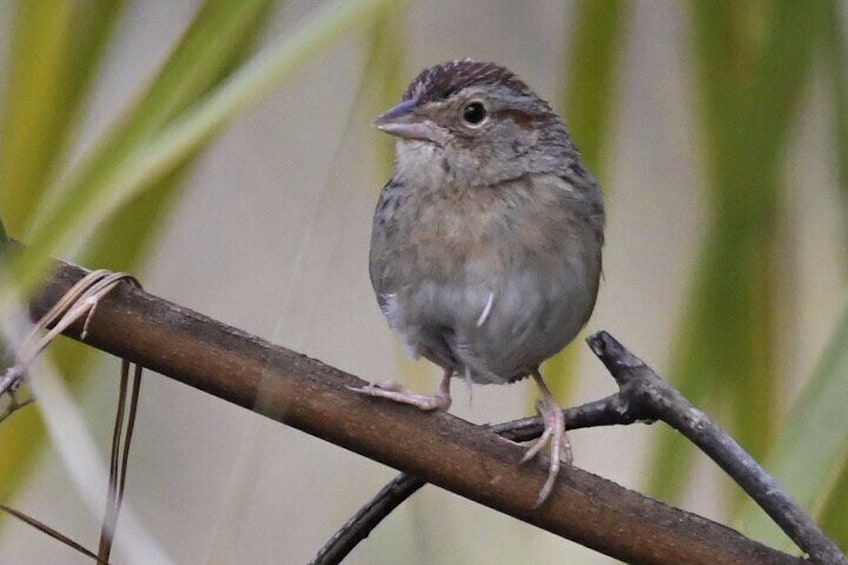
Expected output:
(404, 122)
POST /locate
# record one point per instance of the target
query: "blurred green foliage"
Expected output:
(35, 142)
(56, 50)
(54, 56)
(383, 79)
(836, 63)
(753, 65)
(595, 53)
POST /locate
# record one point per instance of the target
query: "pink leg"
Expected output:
(553, 434)
(440, 400)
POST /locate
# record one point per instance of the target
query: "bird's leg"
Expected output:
(440, 400)
(554, 433)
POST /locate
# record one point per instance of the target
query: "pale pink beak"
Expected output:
(404, 122)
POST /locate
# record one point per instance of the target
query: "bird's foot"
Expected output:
(395, 392)
(440, 400)
(553, 434)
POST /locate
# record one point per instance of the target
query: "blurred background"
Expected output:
(147, 136)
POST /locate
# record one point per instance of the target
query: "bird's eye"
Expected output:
(474, 114)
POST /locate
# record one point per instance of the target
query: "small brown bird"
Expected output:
(486, 244)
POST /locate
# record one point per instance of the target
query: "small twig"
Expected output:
(604, 412)
(643, 391)
(45, 529)
(119, 458)
(125, 456)
(366, 519)
(107, 529)
(11, 382)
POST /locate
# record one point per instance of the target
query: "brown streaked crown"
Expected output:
(442, 81)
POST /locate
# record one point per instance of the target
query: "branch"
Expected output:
(437, 447)
(646, 393)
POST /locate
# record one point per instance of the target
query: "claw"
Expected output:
(553, 434)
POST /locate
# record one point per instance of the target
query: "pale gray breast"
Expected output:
(491, 286)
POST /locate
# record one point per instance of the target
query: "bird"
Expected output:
(486, 243)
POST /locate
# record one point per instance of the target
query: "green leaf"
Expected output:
(190, 72)
(4, 239)
(810, 458)
(54, 52)
(836, 52)
(833, 515)
(203, 52)
(84, 200)
(56, 49)
(384, 80)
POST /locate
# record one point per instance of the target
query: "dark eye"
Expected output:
(474, 113)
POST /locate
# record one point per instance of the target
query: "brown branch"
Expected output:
(441, 449)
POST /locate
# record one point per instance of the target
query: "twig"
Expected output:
(119, 458)
(367, 518)
(45, 529)
(646, 392)
(11, 381)
(438, 447)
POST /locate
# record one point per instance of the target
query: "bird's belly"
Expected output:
(498, 329)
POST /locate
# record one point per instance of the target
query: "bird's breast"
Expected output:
(485, 230)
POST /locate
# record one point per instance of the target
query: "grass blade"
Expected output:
(753, 64)
(56, 49)
(590, 96)
(836, 49)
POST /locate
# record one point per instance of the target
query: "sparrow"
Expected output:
(486, 242)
